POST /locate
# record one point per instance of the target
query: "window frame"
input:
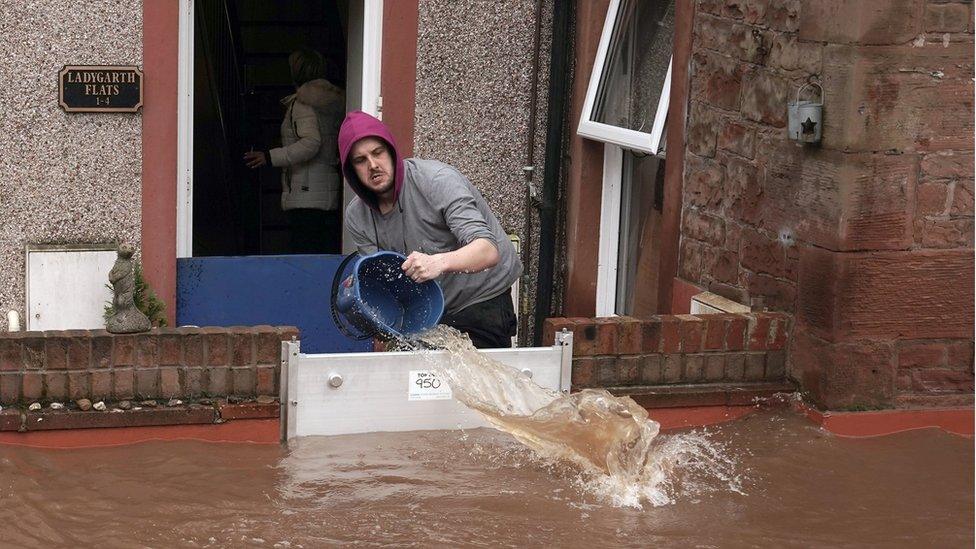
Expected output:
(647, 142)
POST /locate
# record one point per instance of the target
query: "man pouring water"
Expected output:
(429, 212)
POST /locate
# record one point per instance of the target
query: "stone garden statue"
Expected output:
(126, 319)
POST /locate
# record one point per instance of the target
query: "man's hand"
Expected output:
(422, 267)
(255, 159)
(477, 256)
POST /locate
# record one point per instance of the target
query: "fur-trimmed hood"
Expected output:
(318, 94)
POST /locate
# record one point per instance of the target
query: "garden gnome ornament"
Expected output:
(126, 319)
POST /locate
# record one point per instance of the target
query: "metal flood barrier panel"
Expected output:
(346, 393)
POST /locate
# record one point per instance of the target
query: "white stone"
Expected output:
(100, 406)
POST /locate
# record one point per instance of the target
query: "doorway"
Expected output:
(630, 233)
(638, 251)
(232, 266)
(238, 56)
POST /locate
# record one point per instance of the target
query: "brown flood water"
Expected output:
(782, 482)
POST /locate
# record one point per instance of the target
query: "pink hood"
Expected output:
(356, 126)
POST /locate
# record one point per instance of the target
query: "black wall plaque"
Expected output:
(98, 88)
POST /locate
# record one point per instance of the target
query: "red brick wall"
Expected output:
(675, 349)
(185, 363)
(868, 237)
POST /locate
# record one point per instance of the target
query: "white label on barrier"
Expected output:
(425, 385)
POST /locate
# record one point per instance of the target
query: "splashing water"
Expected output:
(611, 438)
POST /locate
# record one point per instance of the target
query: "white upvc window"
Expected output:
(626, 100)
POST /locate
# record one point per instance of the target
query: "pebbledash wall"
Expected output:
(868, 237)
(473, 100)
(67, 178)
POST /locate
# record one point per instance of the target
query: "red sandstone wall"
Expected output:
(868, 238)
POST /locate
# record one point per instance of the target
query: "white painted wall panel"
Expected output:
(66, 288)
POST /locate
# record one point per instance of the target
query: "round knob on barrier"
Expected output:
(335, 381)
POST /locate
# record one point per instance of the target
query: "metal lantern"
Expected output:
(806, 117)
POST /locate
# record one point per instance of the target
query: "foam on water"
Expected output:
(611, 439)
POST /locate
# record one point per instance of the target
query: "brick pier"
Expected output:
(681, 360)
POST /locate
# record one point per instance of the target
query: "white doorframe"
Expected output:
(370, 101)
(184, 135)
(366, 28)
(606, 271)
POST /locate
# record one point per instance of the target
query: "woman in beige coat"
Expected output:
(311, 184)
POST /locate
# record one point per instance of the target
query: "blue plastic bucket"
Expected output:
(374, 297)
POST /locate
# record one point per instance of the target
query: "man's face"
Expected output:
(371, 158)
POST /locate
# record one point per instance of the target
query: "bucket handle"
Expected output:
(803, 87)
(336, 281)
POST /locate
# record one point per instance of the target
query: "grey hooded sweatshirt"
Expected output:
(437, 210)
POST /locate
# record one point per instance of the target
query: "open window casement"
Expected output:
(627, 98)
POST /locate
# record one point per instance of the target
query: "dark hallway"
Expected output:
(241, 75)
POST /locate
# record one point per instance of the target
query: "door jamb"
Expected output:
(184, 133)
(606, 270)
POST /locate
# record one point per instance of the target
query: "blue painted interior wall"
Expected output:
(282, 290)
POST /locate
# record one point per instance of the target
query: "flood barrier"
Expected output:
(345, 393)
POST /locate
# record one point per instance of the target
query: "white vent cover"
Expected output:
(66, 287)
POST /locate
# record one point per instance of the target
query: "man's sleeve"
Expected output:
(364, 244)
(454, 195)
(309, 140)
